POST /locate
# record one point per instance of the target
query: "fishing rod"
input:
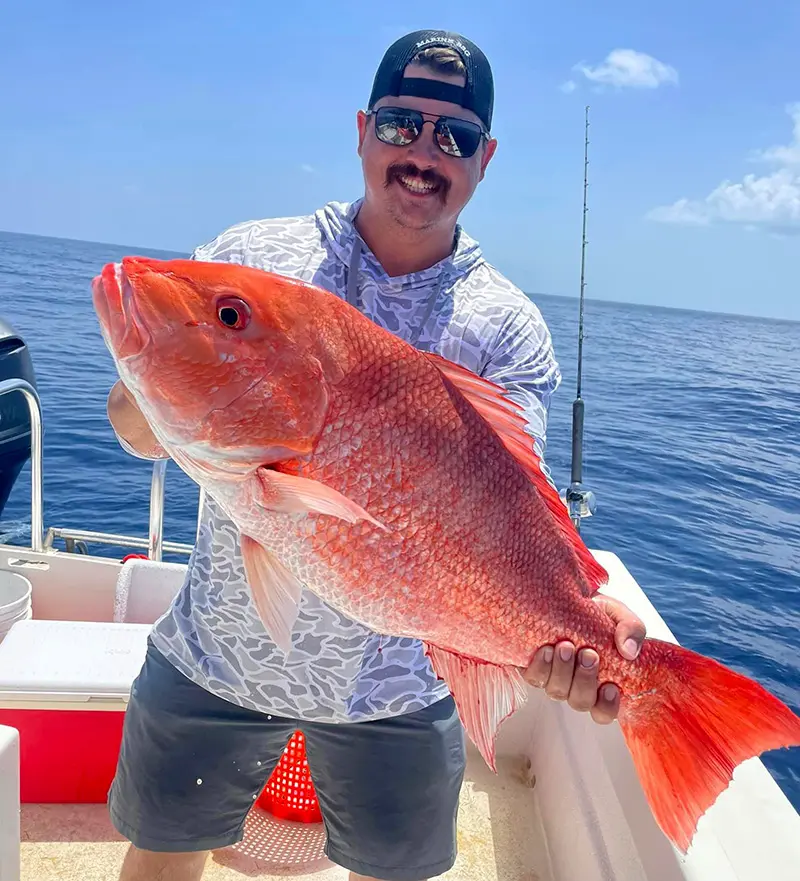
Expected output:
(580, 501)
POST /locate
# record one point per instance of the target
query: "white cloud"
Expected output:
(682, 211)
(568, 86)
(628, 68)
(770, 201)
(790, 154)
(308, 169)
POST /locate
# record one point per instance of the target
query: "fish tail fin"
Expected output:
(690, 730)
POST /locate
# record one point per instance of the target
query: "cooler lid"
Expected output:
(70, 660)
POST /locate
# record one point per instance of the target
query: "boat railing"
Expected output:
(76, 539)
(7, 386)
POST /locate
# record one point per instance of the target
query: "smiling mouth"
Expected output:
(416, 186)
(418, 183)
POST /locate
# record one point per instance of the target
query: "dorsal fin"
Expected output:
(505, 417)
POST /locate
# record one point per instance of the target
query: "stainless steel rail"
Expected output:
(110, 538)
(43, 541)
(7, 386)
(154, 544)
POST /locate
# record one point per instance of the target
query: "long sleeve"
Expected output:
(523, 362)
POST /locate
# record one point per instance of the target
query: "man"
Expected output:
(215, 704)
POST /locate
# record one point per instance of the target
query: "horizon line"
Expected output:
(530, 294)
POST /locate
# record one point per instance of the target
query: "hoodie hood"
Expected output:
(336, 222)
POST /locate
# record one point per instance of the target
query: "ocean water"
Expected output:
(692, 447)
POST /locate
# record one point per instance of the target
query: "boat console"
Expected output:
(15, 420)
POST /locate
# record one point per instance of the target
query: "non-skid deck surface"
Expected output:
(500, 839)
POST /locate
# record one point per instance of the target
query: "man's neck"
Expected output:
(400, 250)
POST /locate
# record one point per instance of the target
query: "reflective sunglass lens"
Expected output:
(458, 138)
(399, 127)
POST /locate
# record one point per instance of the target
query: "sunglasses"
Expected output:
(400, 127)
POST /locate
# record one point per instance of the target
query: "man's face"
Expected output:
(418, 185)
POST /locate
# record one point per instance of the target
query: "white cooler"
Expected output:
(64, 685)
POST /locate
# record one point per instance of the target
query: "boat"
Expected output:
(566, 803)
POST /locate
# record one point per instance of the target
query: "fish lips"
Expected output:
(115, 305)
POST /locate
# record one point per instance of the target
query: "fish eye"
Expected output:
(233, 313)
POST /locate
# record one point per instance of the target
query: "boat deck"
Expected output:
(500, 838)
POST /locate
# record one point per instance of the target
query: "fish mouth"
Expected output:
(120, 319)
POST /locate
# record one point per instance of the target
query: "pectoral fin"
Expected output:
(276, 592)
(291, 494)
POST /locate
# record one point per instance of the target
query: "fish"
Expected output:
(404, 490)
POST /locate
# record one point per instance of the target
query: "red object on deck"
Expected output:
(66, 756)
(63, 686)
(290, 792)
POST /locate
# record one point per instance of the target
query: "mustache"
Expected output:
(429, 176)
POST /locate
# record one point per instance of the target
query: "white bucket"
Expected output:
(15, 600)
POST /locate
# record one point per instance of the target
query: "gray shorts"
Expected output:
(388, 789)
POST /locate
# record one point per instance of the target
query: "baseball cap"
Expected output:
(476, 95)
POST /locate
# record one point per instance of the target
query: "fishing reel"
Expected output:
(579, 501)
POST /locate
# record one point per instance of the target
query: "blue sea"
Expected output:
(692, 447)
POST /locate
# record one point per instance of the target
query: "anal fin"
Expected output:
(485, 695)
(276, 592)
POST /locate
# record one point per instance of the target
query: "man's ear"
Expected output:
(361, 121)
(488, 152)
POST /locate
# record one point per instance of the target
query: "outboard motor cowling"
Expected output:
(15, 420)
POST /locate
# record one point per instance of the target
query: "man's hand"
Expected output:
(554, 668)
(130, 425)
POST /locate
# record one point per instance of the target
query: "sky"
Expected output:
(157, 125)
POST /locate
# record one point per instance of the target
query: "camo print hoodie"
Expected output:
(339, 670)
